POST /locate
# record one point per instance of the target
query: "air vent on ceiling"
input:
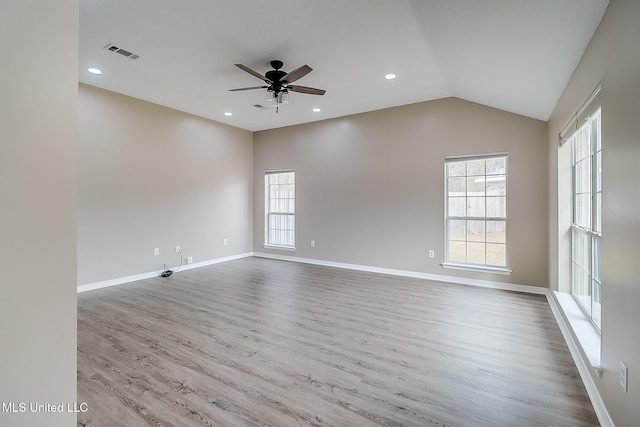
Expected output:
(122, 52)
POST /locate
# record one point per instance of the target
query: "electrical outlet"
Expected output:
(623, 376)
(432, 253)
(313, 243)
(156, 251)
(177, 248)
(225, 242)
(189, 260)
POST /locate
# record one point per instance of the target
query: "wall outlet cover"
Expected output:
(624, 377)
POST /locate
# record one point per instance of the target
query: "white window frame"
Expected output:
(284, 214)
(586, 282)
(449, 217)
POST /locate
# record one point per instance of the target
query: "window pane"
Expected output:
(581, 249)
(598, 214)
(596, 297)
(496, 231)
(476, 186)
(476, 167)
(457, 186)
(457, 229)
(475, 253)
(595, 242)
(475, 231)
(457, 251)
(583, 210)
(497, 207)
(457, 206)
(496, 186)
(497, 166)
(596, 132)
(582, 144)
(580, 288)
(582, 177)
(599, 171)
(476, 206)
(596, 304)
(456, 168)
(496, 254)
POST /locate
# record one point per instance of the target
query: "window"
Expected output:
(586, 229)
(280, 209)
(476, 212)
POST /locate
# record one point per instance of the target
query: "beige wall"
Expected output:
(152, 177)
(38, 113)
(370, 187)
(612, 58)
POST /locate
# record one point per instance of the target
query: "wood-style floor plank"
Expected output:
(257, 342)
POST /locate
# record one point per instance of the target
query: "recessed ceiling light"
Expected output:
(316, 110)
(96, 71)
(228, 114)
(390, 76)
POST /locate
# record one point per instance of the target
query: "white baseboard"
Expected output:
(582, 362)
(414, 274)
(142, 276)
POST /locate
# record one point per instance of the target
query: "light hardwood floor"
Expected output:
(257, 342)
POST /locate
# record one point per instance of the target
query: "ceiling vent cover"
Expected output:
(122, 52)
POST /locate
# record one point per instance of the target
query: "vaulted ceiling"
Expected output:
(515, 55)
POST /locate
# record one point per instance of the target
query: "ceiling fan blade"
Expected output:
(248, 88)
(253, 73)
(305, 89)
(296, 74)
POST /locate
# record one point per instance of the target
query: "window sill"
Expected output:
(583, 329)
(283, 248)
(477, 268)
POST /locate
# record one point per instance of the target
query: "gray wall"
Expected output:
(38, 113)
(612, 58)
(370, 187)
(152, 177)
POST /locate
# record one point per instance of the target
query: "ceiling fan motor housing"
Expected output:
(274, 76)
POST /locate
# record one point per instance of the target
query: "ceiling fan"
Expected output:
(279, 82)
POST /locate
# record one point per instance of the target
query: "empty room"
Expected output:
(356, 213)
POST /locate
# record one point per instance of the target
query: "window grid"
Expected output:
(280, 208)
(586, 285)
(476, 211)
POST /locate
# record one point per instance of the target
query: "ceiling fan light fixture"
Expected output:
(390, 76)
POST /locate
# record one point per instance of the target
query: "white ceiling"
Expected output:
(515, 55)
